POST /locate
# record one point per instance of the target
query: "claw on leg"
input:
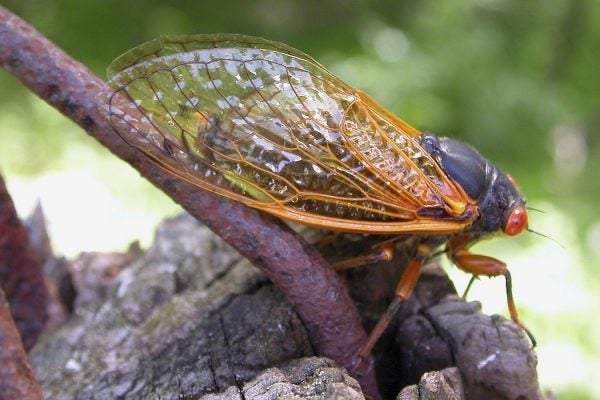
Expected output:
(488, 266)
(512, 309)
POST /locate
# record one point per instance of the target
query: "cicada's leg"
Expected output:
(405, 287)
(468, 288)
(477, 264)
(327, 239)
(381, 253)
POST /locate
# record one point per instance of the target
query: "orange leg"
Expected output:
(402, 293)
(382, 253)
(488, 266)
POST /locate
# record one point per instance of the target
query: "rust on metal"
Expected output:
(16, 379)
(21, 274)
(318, 295)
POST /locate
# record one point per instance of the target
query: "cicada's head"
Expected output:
(501, 206)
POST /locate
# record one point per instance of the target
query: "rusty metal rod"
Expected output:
(316, 292)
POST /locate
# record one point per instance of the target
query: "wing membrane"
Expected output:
(266, 125)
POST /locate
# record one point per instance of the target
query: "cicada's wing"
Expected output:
(266, 125)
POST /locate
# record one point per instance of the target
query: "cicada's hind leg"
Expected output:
(405, 287)
(477, 264)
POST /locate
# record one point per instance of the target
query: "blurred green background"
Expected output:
(519, 80)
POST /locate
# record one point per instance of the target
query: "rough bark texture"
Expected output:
(191, 318)
(188, 318)
(305, 378)
(438, 385)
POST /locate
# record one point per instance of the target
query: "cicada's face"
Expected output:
(504, 196)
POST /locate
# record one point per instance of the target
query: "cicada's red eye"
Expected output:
(516, 222)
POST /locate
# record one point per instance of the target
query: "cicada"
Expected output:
(266, 125)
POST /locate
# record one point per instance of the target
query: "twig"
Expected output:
(318, 295)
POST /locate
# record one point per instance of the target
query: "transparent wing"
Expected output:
(266, 125)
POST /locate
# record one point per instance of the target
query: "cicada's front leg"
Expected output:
(477, 264)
